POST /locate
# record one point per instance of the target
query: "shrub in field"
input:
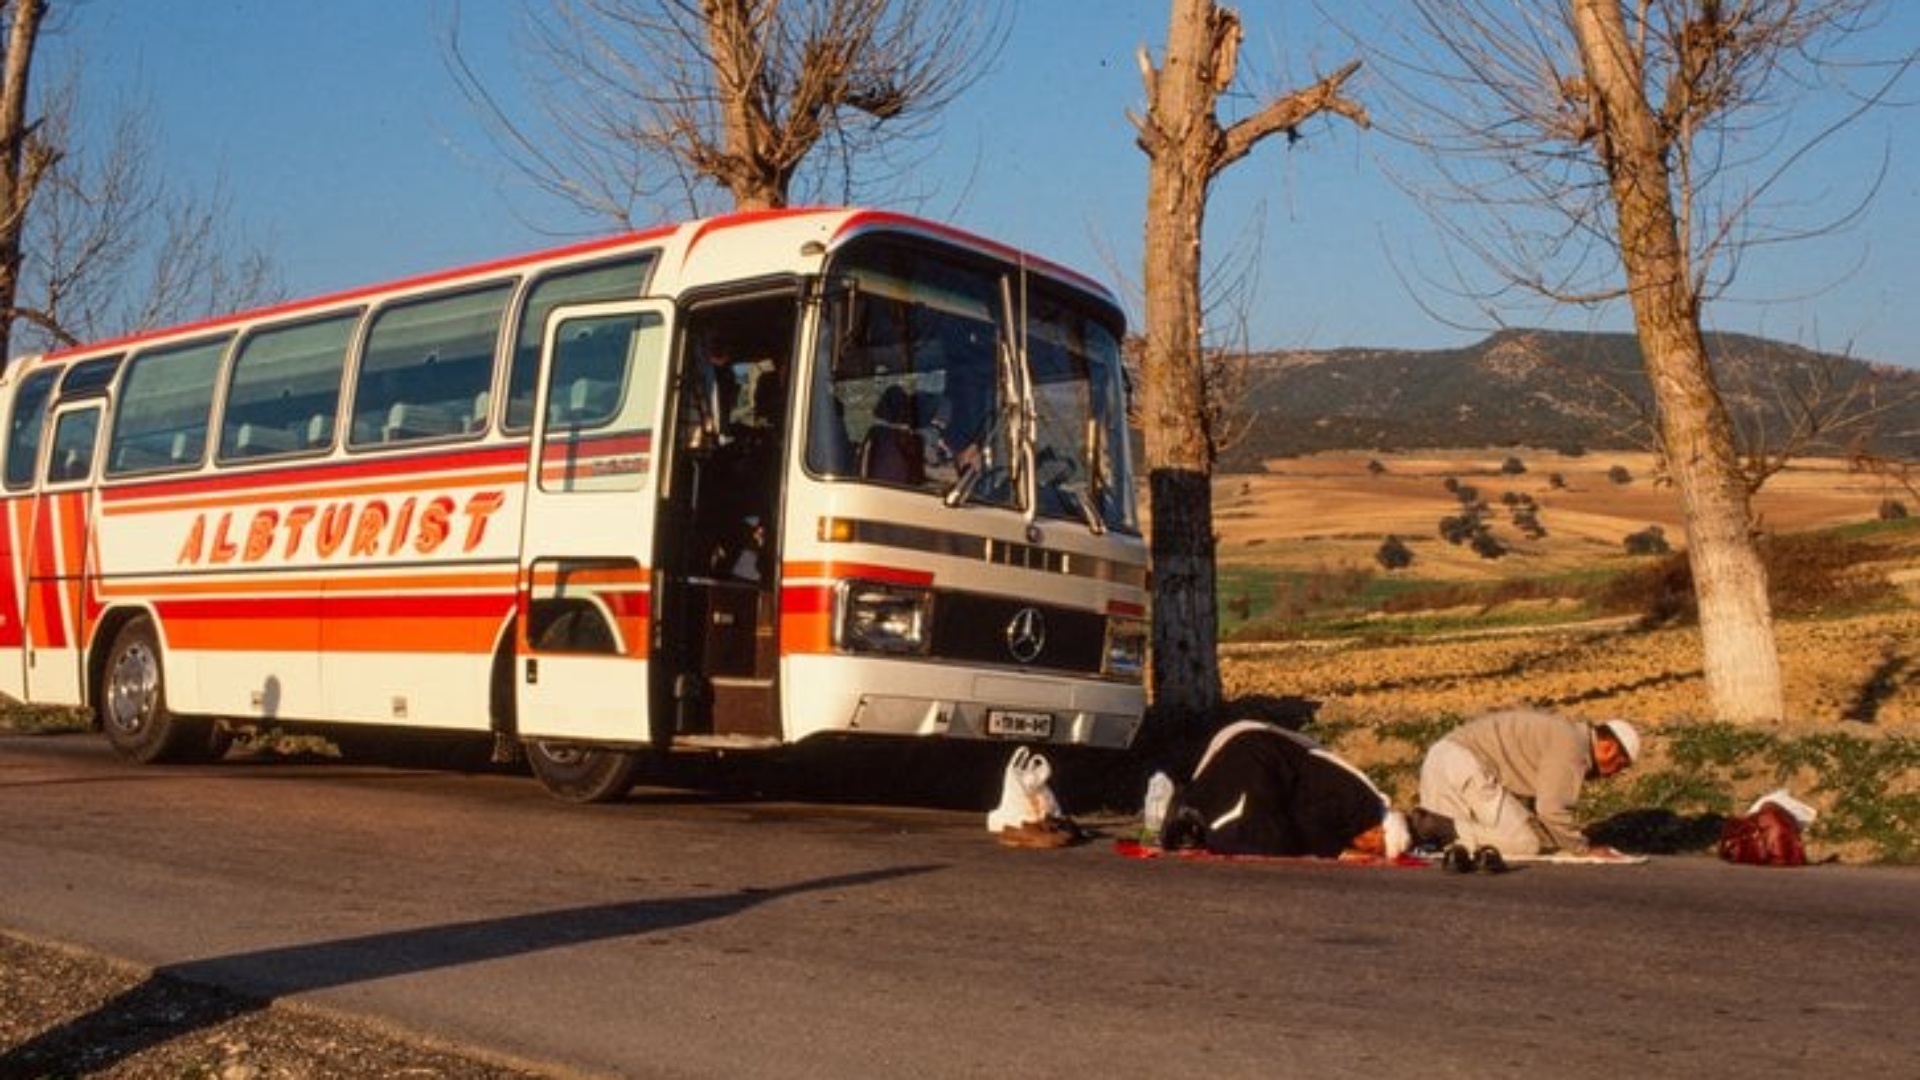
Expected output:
(1374, 466)
(1892, 510)
(1651, 540)
(1488, 546)
(1812, 573)
(1526, 518)
(1460, 528)
(1394, 554)
(1557, 481)
(1807, 574)
(1619, 475)
(1513, 466)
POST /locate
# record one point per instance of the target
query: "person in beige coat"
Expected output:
(1508, 783)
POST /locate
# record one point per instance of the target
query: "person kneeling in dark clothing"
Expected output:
(1261, 789)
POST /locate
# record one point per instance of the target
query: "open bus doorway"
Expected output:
(716, 643)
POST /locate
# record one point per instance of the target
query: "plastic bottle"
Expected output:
(1154, 813)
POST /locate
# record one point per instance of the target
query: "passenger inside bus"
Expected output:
(892, 450)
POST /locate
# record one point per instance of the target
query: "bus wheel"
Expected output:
(133, 710)
(582, 774)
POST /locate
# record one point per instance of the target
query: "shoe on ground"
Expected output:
(1488, 860)
(1457, 860)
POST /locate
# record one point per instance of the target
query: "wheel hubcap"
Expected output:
(132, 687)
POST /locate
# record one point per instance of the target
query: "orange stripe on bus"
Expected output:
(502, 581)
(805, 632)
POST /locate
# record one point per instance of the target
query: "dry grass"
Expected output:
(1327, 510)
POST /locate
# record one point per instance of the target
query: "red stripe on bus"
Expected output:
(424, 464)
(13, 544)
(864, 571)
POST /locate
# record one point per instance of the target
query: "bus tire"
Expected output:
(582, 774)
(132, 705)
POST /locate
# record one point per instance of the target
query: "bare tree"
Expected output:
(92, 243)
(1187, 147)
(1608, 150)
(24, 155)
(646, 103)
(110, 249)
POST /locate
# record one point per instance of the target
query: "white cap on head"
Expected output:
(1626, 735)
(1399, 838)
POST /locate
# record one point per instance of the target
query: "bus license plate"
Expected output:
(1019, 725)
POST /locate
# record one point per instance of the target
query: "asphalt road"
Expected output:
(687, 935)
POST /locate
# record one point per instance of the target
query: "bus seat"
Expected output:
(482, 406)
(182, 449)
(253, 440)
(406, 421)
(588, 400)
(319, 430)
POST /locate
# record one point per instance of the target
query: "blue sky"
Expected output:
(352, 156)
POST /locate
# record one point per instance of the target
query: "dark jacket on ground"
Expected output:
(1264, 790)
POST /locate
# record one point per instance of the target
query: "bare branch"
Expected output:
(644, 109)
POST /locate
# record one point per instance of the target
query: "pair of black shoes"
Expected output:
(1457, 859)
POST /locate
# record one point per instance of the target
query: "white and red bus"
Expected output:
(736, 483)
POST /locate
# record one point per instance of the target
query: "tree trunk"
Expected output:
(1730, 581)
(1181, 138)
(18, 171)
(1186, 148)
(748, 133)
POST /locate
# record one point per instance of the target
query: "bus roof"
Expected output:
(839, 225)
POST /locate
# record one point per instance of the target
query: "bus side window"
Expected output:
(285, 388)
(623, 280)
(75, 434)
(25, 425)
(161, 414)
(425, 365)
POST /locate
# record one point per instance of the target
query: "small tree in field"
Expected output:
(1393, 554)
(1651, 540)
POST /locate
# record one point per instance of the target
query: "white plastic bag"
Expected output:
(1026, 794)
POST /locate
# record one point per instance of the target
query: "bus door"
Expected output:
(718, 566)
(582, 643)
(56, 619)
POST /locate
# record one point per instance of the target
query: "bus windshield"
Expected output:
(1080, 413)
(915, 386)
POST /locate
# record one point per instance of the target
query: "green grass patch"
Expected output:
(42, 719)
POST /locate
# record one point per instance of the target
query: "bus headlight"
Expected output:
(1126, 652)
(876, 617)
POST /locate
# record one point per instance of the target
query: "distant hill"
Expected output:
(1539, 388)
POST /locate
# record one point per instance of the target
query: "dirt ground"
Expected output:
(53, 1025)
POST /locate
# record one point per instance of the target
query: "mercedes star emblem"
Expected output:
(1026, 634)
